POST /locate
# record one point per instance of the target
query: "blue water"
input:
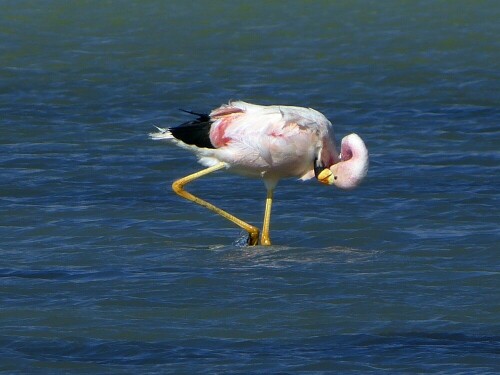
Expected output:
(103, 269)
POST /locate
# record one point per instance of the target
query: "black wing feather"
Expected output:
(195, 132)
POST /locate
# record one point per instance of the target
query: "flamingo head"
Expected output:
(352, 167)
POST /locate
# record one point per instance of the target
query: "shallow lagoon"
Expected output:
(104, 269)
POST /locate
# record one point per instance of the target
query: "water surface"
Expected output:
(103, 269)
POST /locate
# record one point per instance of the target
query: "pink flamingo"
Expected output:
(268, 142)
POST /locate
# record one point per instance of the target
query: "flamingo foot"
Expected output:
(265, 241)
(253, 238)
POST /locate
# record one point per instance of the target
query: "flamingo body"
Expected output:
(271, 142)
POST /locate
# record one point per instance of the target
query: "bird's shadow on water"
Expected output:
(240, 254)
(276, 255)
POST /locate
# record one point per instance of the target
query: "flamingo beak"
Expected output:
(326, 177)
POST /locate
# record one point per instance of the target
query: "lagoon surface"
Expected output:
(103, 269)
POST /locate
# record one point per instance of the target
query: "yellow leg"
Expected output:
(178, 187)
(265, 240)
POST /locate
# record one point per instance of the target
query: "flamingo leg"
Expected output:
(265, 240)
(178, 187)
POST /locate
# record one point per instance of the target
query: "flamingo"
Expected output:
(267, 142)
